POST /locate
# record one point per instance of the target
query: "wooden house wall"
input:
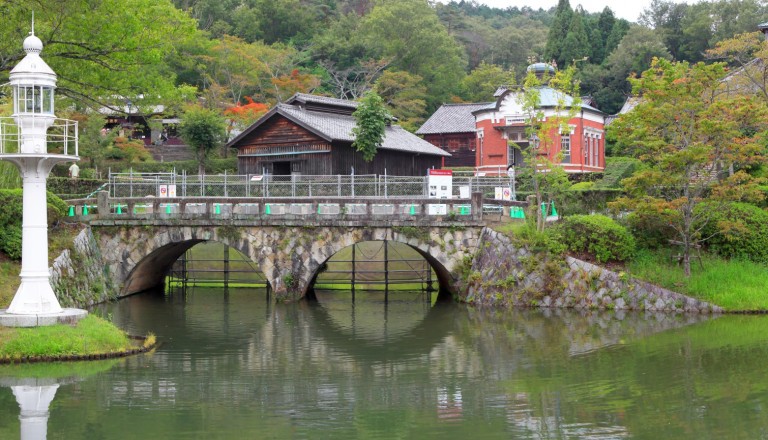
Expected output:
(280, 135)
(461, 146)
(394, 163)
(310, 154)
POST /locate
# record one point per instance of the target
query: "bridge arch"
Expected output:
(138, 257)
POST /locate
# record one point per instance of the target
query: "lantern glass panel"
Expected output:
(47, 99)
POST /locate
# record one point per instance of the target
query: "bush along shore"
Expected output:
(91, 338)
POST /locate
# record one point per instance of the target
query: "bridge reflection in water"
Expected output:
(234, 363)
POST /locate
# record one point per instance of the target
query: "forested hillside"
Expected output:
(415, 54)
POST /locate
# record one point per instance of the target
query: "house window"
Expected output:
(565, 147)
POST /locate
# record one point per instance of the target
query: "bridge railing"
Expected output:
(363, 209)
(297, 185)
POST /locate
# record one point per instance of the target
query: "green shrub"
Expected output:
(11, 219)
(650, 231)
(738, 230)
(213, 166)
(10, 241)
(617, 169)
(581, 186)
(597, 235)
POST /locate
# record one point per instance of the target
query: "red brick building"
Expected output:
(581, 148)
(499, 131)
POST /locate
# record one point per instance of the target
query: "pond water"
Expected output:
(233, 365)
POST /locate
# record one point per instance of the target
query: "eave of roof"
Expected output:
(335, 127)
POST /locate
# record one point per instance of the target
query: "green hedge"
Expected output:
(748, 239)
(214, 166)
(68, 188)
(597, 235)
(11, 213)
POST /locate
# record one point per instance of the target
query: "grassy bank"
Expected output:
(92, 335)
(735, 285)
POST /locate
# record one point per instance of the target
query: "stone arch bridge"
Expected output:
(289, 240)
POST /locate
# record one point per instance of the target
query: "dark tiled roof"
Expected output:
(335, 127)
(452, 118)
(324, 100)
(339, 128)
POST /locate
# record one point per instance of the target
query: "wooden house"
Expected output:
(312, 135)
(452, 128)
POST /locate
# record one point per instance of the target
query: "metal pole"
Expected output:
(353, 181)
(429, 277)
(184, 271)
(130, 181)
(386, 274)
(385, 183)
(226, 193)
(353, 272)
(226, 266)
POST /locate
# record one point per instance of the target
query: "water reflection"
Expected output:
(237, 365)
(34, 388)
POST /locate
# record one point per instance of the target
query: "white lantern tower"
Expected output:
(26, 139)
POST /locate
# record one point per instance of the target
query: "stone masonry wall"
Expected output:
(79, 277)
(503, 274)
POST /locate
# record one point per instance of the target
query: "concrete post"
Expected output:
(477, 206)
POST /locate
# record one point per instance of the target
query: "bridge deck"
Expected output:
(357, 212)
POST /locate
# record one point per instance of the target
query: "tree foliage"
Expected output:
(687, 131)
(371, 119)
(404, 97)
(116, 51)
(547, 178)
(203, 130)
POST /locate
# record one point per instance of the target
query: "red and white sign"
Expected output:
(163, 191)
(440, 184)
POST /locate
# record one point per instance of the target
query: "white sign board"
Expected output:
(464, 192)
(506, 194)
(163, 192)
(440, 184)
(171, 190)
(498, 193)
(441, 209)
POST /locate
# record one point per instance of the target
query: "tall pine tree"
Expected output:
(576, 45)
(558, 32)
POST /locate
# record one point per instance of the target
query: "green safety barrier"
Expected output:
(413, 209)
(463, 210)
(545, 207)
(119, 209)
(216, 209)
(516, 212)
(267, 209)
(167, 209)
(71, 212)
(85, 209)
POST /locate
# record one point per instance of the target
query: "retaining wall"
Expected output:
(79, 277)
(504, 274)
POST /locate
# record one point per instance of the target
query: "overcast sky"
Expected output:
(628, 9)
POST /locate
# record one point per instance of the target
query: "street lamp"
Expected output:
(24, 141)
